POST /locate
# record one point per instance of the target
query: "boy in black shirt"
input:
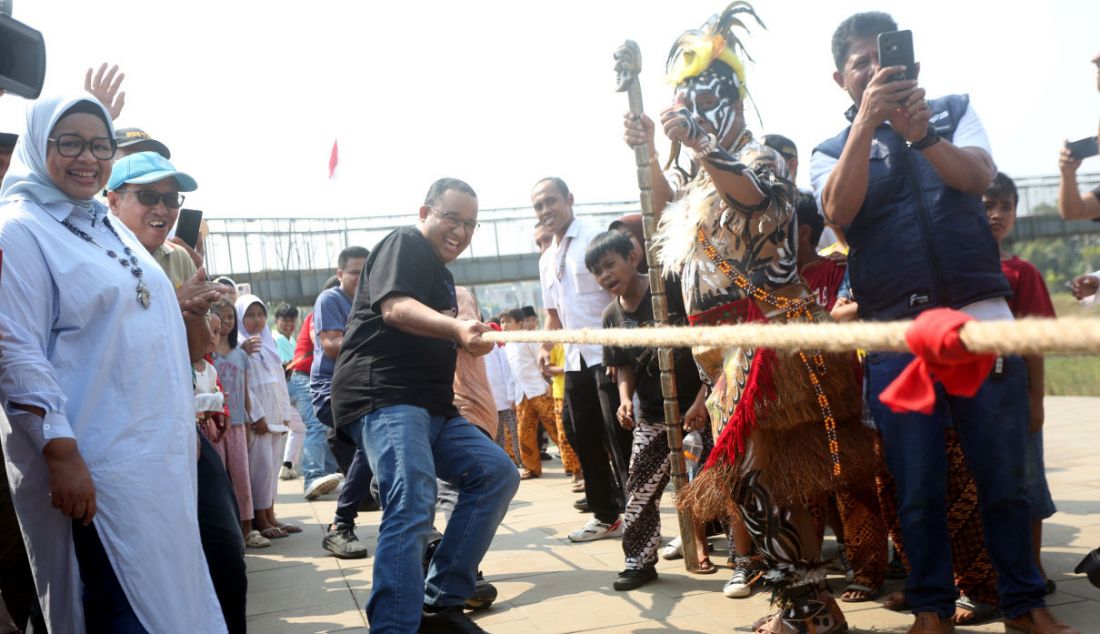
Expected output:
(393, 385)
(612, 258)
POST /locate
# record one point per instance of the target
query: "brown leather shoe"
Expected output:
(1038, 621)
(931, 623)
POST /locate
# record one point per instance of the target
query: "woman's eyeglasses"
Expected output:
(72, 145)
(149, 198)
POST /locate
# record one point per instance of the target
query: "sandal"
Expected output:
(896, 601)
(857, 593)
(273, 532)
(255, 540)
(706, 567)
(578, 486)
(971, 612)
(527, 475)
(290, 529)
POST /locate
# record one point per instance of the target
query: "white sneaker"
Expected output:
(288, 473)
(322, 485)
(674, 549)
(595, 529)
(740, 584)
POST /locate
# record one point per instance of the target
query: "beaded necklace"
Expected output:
(793, 308)
(127, 259)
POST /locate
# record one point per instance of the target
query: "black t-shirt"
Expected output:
(380, 365)
(647, 372)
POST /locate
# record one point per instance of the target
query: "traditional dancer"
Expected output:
(788, 426)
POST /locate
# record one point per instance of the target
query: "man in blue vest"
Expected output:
(904, 180)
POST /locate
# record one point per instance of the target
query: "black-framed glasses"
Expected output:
(149, 198)
(72, 145)
(453, 219)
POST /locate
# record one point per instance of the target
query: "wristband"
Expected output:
(930, 138)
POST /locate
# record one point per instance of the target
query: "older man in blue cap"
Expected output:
(145, 193)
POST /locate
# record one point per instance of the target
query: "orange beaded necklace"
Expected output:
(793, 309)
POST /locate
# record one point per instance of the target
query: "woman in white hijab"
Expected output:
(100, 441)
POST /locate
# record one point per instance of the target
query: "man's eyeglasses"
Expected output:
(72, 145)
(452, 219)
(149, 198)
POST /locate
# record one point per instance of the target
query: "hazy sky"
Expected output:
(250, 95)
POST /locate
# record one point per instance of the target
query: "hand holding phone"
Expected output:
(895, 48)
(1083, 148)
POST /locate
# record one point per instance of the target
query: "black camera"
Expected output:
(22, 56)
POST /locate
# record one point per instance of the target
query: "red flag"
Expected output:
(333, 159)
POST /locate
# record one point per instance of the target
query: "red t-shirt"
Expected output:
(303, 349)
(824, 277)
(1030, 297)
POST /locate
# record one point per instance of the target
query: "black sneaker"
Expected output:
(342, 542)
(484, 594)
(633, 578)
(544, 456)
(581, 505)
(450, 620)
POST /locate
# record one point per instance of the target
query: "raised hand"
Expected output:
(680, 125)
(638, 130)
(104, 86)
(1066, 163)
(884, 96)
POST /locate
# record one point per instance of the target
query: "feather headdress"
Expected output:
(695, 50)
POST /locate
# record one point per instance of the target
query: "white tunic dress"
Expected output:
(115, 376)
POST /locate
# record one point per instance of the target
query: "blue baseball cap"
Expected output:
(147, 167)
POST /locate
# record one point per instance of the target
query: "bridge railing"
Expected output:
(253, 245)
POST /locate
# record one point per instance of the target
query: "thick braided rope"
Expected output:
(1071, 335)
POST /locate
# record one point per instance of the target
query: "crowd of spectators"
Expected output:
(150, 411)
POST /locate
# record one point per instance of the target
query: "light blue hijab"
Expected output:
(27, 176)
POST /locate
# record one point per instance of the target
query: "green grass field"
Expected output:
(1073, 376)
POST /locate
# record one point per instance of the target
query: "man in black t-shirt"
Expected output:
(393, 385)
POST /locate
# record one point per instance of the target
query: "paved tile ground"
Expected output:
(549, 585)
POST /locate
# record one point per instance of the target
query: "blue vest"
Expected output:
(917, 243)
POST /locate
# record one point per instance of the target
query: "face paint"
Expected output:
(711, 97)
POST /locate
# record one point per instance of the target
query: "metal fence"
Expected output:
(1039, 194)
(254, 245)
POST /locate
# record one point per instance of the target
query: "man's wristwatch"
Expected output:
(929, 139)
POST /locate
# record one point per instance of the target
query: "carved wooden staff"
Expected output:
(628, 65)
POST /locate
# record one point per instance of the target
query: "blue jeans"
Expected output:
(992, 429)
(407, 448)
(106, 608)
(317, 460)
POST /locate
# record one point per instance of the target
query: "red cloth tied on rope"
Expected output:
(940, 357)
(495, 326)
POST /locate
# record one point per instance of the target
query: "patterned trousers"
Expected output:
(569, 460)
(532, 413)
(646, 481)
(507, 436)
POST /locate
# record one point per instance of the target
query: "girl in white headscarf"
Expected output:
(99, 437)
(267, 440)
